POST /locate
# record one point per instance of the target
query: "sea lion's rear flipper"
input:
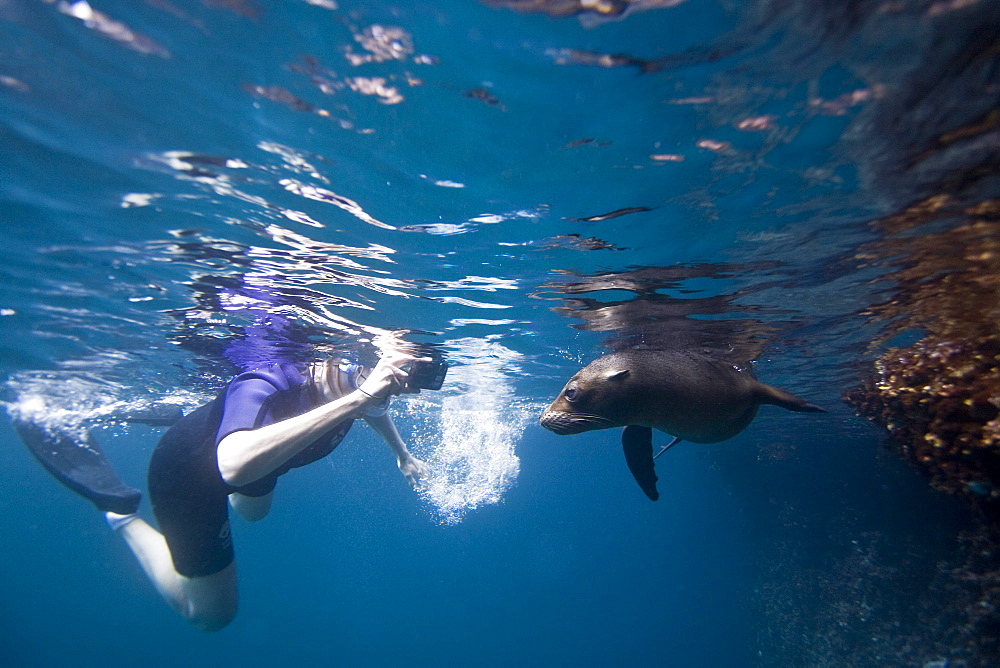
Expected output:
(638, 445)
(675, 441)
(772, 395)
(77, 462)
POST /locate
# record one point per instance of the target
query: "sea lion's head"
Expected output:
(597, 397)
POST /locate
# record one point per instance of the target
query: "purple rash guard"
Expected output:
(269, 394)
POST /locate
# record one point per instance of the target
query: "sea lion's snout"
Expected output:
(557, 422)
(564, 423)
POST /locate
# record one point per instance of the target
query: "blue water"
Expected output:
(439, 180)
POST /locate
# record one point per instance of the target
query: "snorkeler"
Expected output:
(272, 417)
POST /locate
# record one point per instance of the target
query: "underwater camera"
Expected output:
(428, 375)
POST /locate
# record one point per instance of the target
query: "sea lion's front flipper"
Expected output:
(638, 445)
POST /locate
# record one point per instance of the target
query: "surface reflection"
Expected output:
(667, 310)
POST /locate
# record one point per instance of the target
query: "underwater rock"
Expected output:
(939, 398)
(940, 403)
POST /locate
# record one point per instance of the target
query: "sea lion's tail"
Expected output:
(772, 395)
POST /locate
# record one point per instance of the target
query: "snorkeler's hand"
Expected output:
(389, 376)
(414, 470)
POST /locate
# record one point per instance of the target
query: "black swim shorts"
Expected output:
(189, 497)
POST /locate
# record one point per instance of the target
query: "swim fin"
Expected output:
(638, 445)
(81, 466)
(156, 415)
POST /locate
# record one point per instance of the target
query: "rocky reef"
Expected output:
(940, 402)
(939, 398)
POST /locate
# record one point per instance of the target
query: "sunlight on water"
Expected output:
(73, 402)
(56, 402)
(467, 433)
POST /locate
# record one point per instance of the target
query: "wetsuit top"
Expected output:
(187, 492)
(268, 394)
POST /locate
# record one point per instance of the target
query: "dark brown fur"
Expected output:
(690, 396)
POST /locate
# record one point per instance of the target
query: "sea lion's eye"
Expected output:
(571, 393)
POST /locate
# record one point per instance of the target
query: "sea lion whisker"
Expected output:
(590, 418)
(564, 422)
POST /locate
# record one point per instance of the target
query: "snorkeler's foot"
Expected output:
(117, 521)
(75, 460)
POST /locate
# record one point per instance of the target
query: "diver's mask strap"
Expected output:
(353, 374)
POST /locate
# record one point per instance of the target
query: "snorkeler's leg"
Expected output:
(251, 508)
(208, 602)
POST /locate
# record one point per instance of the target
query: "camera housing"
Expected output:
(428, 375)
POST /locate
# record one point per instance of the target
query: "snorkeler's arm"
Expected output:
(249, 455)
(413, 469)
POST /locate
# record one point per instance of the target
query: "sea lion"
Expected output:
(688, 395)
